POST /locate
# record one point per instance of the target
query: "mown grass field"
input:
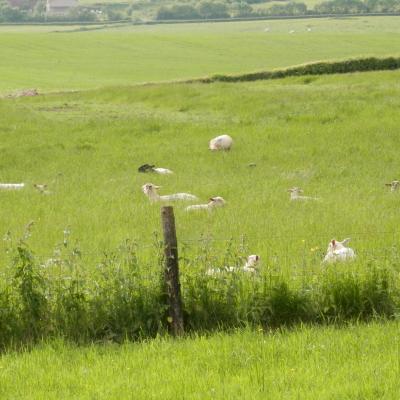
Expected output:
(356, 362)
(55, 59)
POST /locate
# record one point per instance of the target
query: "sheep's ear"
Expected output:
(345, 241)
(211, 199)
(388, 184)
(333, 241)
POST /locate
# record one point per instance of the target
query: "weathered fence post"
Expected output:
(171, 271)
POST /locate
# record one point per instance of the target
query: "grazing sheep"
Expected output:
(12, 186)
(249, 267)
(223, 142)
(394, 185)
(338, 251)
(292, 31)
(42, 188)
(150, 191)
(213, 203)
(152, 168)
(294, 194)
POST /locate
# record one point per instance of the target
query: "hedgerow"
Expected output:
(316, 68)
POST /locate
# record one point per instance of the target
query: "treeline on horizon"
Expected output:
(35, 11)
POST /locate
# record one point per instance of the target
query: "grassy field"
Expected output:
(48, 58)
(334, 136)
(357, 362)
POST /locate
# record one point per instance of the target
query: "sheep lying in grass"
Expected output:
(12, 186)
(394, 185)
(338, 251)
(150, 191)
(295, 194)
(152, 168)
(223, 142)
(42, 188)
(213, 203)
(249, 267)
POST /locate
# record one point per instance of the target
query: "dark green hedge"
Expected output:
(317, 68)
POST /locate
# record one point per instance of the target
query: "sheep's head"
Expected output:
(295, 190)
(149, 188)
(217, 201)
(336, 245)
(252, 260)
(394, 185)
(146, 168)
(332, 245)
(214, 145)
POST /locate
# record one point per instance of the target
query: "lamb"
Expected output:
(213, 203)
(152, 168)
(223, 142)
(150, 191)
(12, 186)
(249, 267)
(42, 188)
(251, 263)
(294, 194)
(338, 251)
(394, 185)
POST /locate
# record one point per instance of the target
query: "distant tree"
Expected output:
(115, 15)
(184, 11)
(212, 9)
(292, 8)
(81, 14)
(241, 9)
(341, 7)
(10, 14)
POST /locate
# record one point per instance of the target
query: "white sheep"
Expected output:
(394, 185)
(162, 171)
(338, 251)
(295, 194)
(213, 203)
(249, 267)
(150, 191)
(223, 142)
(12, 186)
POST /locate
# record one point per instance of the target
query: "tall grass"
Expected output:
(120, 298)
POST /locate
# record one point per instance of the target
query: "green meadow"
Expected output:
(355, 362)
(83, 262)
(334, 136)
(55, 58)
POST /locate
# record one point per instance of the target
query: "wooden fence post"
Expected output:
(171, 270)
